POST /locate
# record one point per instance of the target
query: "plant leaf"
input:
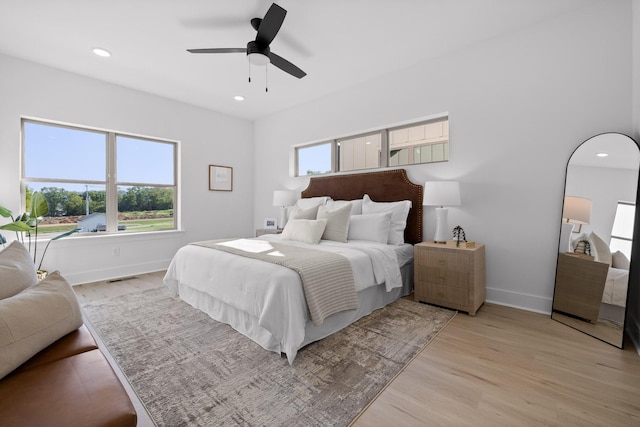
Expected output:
(68, 233)
(4, 212)
(16, 226)
(39, 206)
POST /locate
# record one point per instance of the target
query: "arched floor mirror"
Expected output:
(596, 237)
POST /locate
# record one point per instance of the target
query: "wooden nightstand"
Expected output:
(449, 276)
(579, 286)
(261, 231)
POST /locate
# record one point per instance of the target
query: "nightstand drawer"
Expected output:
(442, 295)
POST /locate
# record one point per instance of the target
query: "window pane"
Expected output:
(362, 152)
(315, 159)
(71, 206)
(57, 152)
(145, 208)
(422, 143)
(623, 246)
(143, 161)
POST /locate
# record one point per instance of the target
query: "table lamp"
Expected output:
(283, 198)
(441, 193)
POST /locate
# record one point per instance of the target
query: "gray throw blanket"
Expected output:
(327, 278)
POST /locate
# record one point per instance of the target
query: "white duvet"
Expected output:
(615, 288)
(266, 301)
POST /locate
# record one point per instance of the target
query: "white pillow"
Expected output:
(337, 222)
(298, 213)
(310, 202)
(17, 271)
(304, 230)
(602, 251)
(370, 227)
(399, 213)
(35, 318)
(619, 260)
(356, 205)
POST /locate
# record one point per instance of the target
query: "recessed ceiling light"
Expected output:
(238, 98)
(102, 52)
(602, 154)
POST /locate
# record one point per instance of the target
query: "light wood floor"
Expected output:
(503, 367)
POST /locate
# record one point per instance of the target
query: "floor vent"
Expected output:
(120, 279)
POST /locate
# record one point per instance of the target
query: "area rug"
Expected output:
(189, 370)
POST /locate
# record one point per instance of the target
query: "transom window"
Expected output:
(99, 181)
(425, 141)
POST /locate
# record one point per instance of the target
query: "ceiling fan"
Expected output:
(258, 51)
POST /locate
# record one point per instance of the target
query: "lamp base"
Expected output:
(283, 217)
(441, 226)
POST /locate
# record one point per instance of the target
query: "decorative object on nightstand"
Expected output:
(458, 235)
(441, 193)
(283, 198)
(575, 210)
(450, 276)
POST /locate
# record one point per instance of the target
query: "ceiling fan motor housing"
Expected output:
(258, 55)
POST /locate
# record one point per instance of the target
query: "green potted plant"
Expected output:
(27, 224)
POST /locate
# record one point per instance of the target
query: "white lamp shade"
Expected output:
(284, 198)
(441, 193)
(576, 210)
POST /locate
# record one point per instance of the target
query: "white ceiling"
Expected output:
(339, 43)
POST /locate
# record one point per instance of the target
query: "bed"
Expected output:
(265, 301)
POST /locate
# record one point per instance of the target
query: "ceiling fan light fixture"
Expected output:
(258, 59)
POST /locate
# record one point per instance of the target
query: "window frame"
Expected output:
(384, 145)
(111, 182)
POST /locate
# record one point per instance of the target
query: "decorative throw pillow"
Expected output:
(356, 205)
(337, 222)
(304, 230)
(370, 227)
(310, 202)
(17, 271)
(603, 253)
(298, 213)
(34, 319)
(399, 213)
(619, 260)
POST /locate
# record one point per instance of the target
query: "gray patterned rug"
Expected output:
(189, 370)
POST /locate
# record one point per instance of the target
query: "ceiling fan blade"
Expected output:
(220, 50)
(270, 25)
(286, 66)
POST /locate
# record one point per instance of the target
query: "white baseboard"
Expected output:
(534, 303)
(116, 272)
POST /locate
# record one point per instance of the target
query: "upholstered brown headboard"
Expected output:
(385, 186)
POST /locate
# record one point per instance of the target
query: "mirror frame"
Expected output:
(633, 292)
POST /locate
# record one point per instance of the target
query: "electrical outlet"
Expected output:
(115, 252)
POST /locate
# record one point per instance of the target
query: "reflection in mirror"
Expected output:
(594, 253)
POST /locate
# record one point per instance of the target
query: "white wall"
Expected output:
(28, 89)
(518, 107)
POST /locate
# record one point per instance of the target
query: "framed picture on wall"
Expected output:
(220, 178)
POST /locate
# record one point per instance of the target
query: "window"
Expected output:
(425, 141)
(622, 231)
(314, 159)
(361, 152)
(99, 181)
